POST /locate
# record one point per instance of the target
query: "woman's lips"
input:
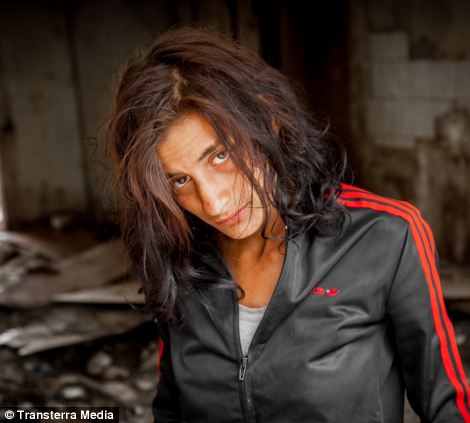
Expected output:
(234, 218)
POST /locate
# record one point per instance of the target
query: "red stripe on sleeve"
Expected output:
(161, 348)
(430, 271)
(404, 206)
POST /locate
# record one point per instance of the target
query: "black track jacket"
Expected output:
(353, 321)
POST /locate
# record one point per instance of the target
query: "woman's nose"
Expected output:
(214, 197)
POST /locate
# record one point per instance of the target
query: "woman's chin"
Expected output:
(238, 231)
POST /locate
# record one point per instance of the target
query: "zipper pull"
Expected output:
(241, 374)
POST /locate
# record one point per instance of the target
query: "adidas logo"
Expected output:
(331, 292)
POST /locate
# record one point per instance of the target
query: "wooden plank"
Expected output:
(124, 292)
(455, 280)
(214, 14)
(105, 35)
(456, 291)
(60, 327)
(92, 268)
(248, 26)
(37, 78)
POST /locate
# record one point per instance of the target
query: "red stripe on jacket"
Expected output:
(360, 197)
(161, 348)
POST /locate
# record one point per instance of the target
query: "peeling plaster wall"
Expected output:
(410, 62)
(406, 94)
(410, 67)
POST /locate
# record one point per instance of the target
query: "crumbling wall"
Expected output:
(410, 68)
(57, 63)
(40, 136)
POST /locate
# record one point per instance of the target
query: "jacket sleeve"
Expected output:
(165, 405)
(434, 377)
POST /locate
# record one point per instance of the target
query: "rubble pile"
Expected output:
(71, 329)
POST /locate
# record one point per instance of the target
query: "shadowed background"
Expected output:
(393, 77)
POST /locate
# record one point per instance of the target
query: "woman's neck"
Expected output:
(255, 248)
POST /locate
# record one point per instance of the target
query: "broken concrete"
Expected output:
(95, 267)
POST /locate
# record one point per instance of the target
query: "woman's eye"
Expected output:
(220, 157)
(179, 182)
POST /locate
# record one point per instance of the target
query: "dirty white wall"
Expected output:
(407, 94)
(410, 62)
(410, 73)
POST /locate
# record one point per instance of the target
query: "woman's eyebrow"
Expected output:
(208, 150)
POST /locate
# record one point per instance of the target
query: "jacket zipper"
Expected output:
(244, 358)
(243, 365)
(241, 374)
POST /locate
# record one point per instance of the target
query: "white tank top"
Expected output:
(249, 321)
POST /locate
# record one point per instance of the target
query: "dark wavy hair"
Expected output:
(256, 114)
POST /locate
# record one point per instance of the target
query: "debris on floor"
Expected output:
(122, 292)
(111, 371)
(64, 325)
(72, 332)
(94, 267)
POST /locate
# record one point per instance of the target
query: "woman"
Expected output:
(282, 293)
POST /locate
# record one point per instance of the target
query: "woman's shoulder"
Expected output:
(366, 208)
(381, 224)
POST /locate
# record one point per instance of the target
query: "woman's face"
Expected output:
(205, 181)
